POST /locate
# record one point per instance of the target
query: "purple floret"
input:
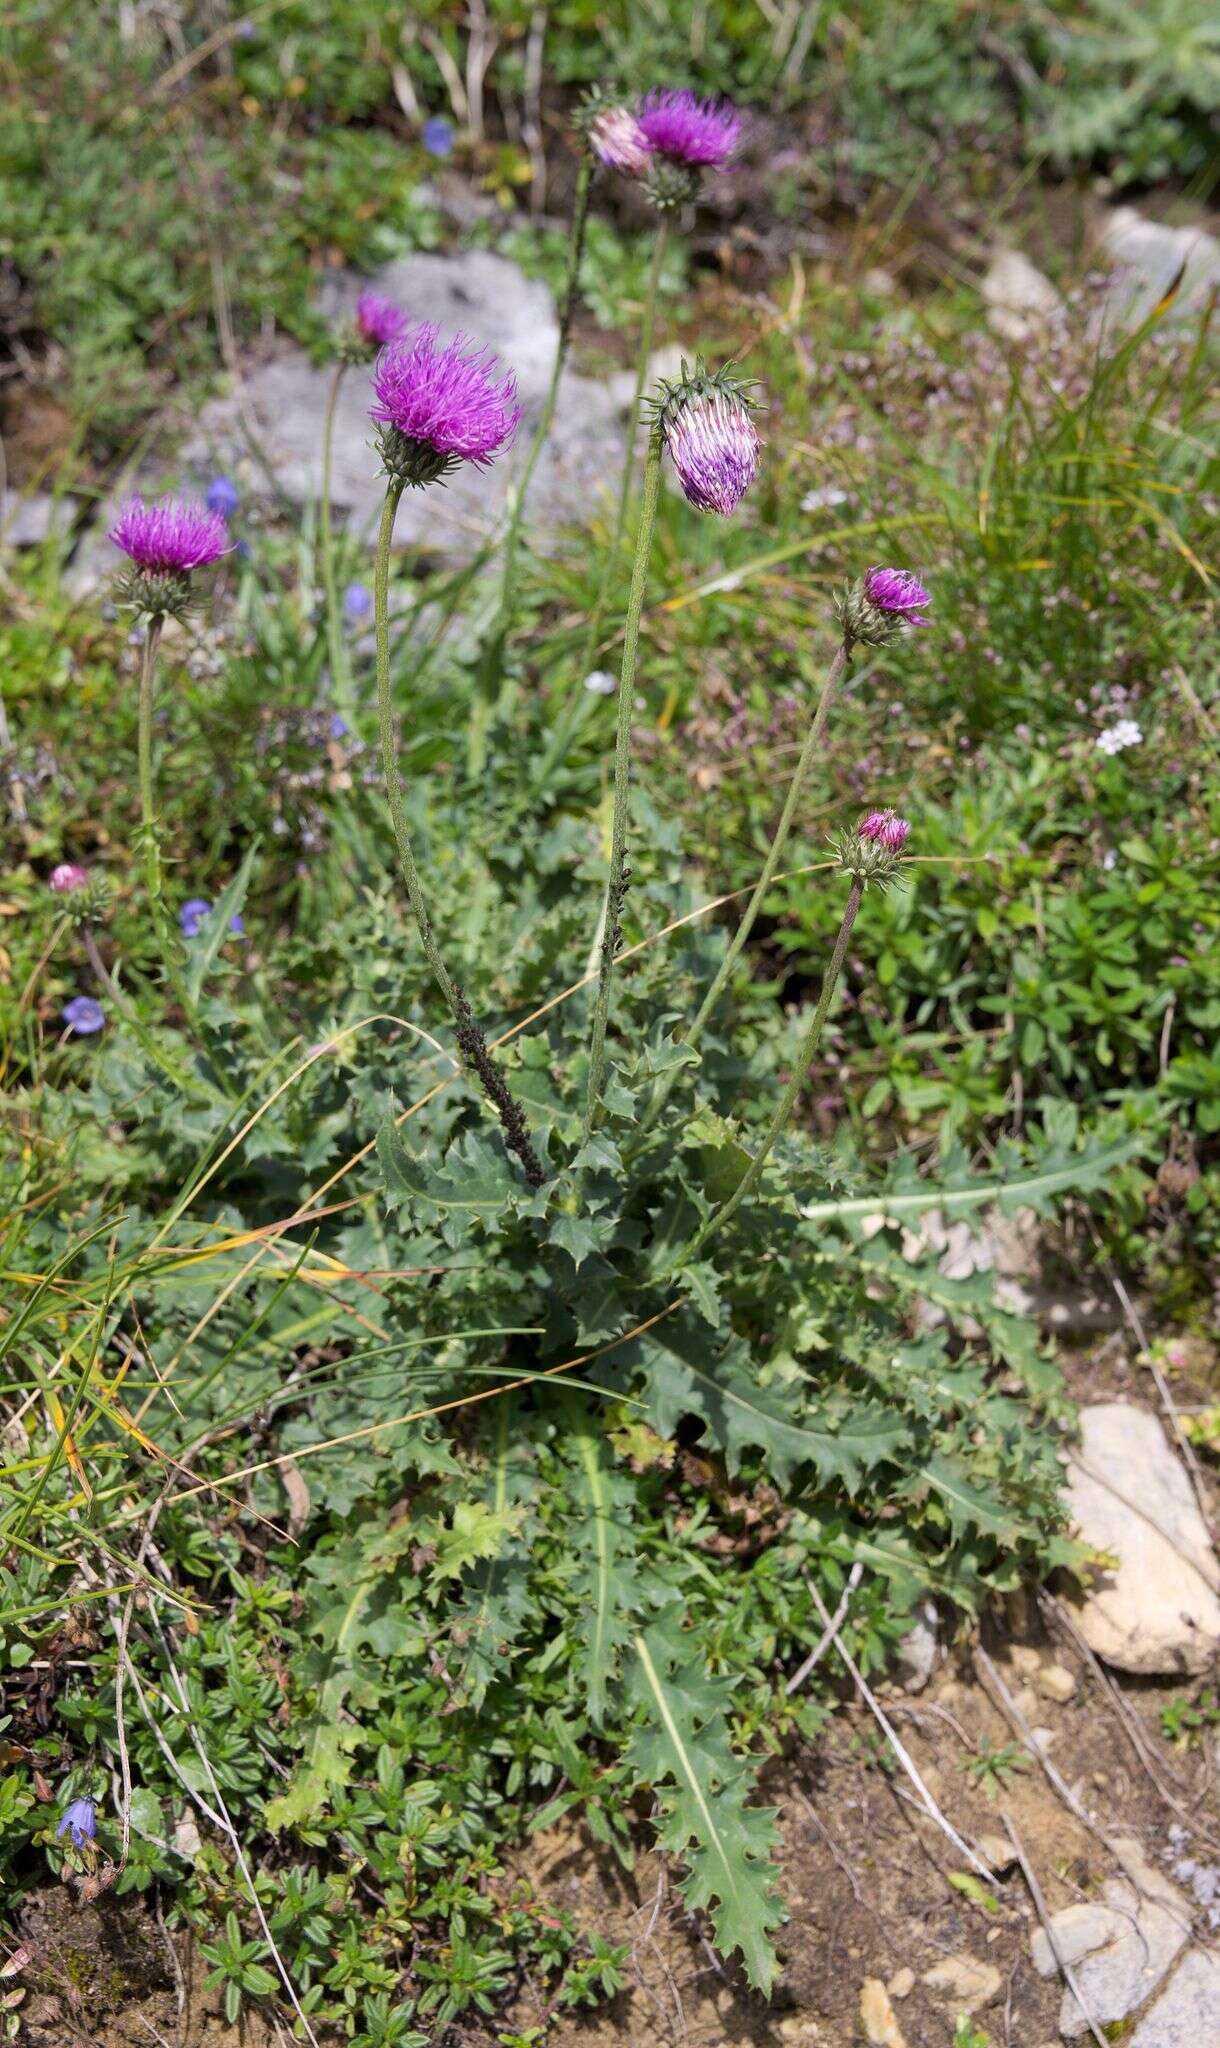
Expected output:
(171, 538)
(380, 321)
(688, 130)
(898, 591)
(715, 451)
(887, 828)
(450, 399)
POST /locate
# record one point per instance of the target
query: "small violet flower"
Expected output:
(887, 828)
(67, 878)
(83, 1015)
(714, 447)
(79, 1821)
(379, 320)
(899, 592)
(196, 910)
(357, 601)
(222, 496)
(1116, 738)
(337, 727)
(618, 141)
(170, 538)
(438, 407)
(437, 136)
(688, 130)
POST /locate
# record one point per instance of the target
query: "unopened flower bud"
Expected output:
(882, 605)
(873, 852)
(705, 419)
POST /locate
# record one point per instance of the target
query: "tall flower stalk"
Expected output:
(870, 854)
(377, 322)
(704, 420)
(435, 408)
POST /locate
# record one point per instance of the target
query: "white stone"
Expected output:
(915, 1656)
(1021, 303)
(902, 1983)
(1120, 1946)
(971, 1984)
(1057, 1683)
(490, 299)
(1187, 2013)
(27, 521)
(1157, 1609)
(1147, 256)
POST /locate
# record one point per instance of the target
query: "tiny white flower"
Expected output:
(601, 683)
(816, 501)
(1109, 859)
(1125, 733)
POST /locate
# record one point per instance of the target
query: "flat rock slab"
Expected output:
(1146, 256)
(1187, 2013)
(282, 403)
(1157, 1610)
(1119, 1947)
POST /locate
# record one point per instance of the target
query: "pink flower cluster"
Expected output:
(676, 125)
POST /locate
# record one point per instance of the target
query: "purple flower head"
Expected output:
(170, 538)
(357, 601)
(380, 320)
(887, 828)
(897, 591)
(714, 447)
(67, 878)
(195, 913)
(337, 727)
(618, 141)
(442, 406)
(438, 136)
(80, 1818)
(83, 1016)
(222, 496)
(688, 130)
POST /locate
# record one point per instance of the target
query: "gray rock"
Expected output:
(1121, 1946)
(969, 1983)
(915, 1655)
(1187, 2013)
(26, 522)
(1158, 1608)
(1021, 303)
(1147, 256)
(283, 402)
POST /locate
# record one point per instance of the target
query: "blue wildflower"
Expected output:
(337, 727)
(357, 601)
(222, 496)
(83, 1016)
(438, 136)
(193, 913)
(79, 1821)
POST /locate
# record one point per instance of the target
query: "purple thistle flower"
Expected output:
(617, 140)
(80, 1818)
(449, 400)
(898, 591)
(715, 449)
(67, 878)
(357, 601)
(887, 828)
(437, 136)
(170, 538)
(380, 320)
(222, 496)
(83, 1015)
(688, 130)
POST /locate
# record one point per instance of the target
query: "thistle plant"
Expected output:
(875, 611)
(377, 321)
(165, 544)
(436, 408)
(704, 420)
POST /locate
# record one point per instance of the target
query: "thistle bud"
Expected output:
(617, 140)
(881, 606)
(873, 852)
(705, 420)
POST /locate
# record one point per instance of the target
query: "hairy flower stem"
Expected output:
(148, 810)
(801, 1065)
(339, 673)
(813, 739)
(616, 883)
(567, 311)
(610, 559)
(469, 1035)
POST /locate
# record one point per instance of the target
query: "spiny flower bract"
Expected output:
(449, 400)
(171, 538)
(689, 130)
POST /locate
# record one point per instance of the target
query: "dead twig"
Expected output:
(829, 1633)
(1035, 1892)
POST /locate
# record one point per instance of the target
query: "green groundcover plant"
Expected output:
(448, 1386)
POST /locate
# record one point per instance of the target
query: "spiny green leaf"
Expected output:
(475, 1176)
(1053, 1174)
(606, 1569)
(683, 1748)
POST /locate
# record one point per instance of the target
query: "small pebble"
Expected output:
(1023, 1659)
(1056, 1682)
(902, 1983)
